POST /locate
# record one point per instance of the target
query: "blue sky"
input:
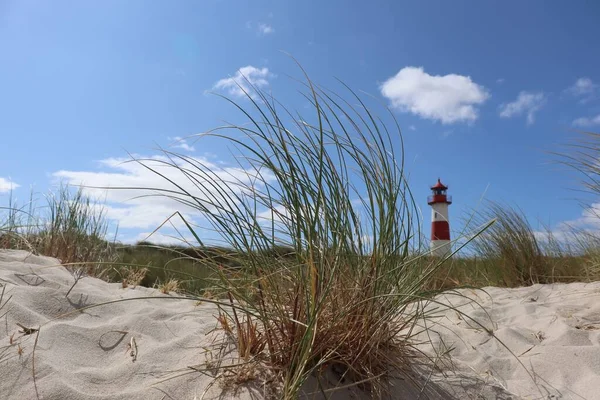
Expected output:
(482, 90)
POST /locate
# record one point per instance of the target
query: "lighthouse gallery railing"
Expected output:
(439, 198)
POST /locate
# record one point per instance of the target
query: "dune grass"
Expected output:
(151, 265)
(73, 228)
(511, 245)
(319, 231)
(331, 188)
(583, 155)
(320, 262)
(512, 253)
(70, 227)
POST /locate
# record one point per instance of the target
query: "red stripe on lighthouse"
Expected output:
(440, 230)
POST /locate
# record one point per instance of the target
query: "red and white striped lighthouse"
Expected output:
(440, 227)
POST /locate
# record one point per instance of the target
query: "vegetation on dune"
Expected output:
(322, 260)
(512, 253)
(583, 156)
(334, 192)
(70, 227)
(319, 227)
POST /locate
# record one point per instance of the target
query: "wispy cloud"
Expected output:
(447, 133)
(265, 29)
(131, 191)
(500, 81)
(449, 98)
(583, 88)
(244, 80)
(6, 185)
(181, 143)
(579, 230)
(587, 121)
(412, 128)
(261, 28)
(527, 103)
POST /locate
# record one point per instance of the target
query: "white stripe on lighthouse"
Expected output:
(439, 212)
(440, 248)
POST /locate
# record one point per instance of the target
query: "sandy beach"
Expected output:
(143, 349)
(537, 342)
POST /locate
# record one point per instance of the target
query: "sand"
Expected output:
(551, 334)
(536, 342)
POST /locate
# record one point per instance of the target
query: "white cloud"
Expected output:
(244, 80)
(526, 103)
(500, 81)
(584, 88)
(450, 98)
(412, 128)
(586, 122)
(145, 215)
(265, 29)
(582, 230)
(591, 216)
(131, 191)
(261, 28)
(181, 143)
(562, 235)
(6, 185)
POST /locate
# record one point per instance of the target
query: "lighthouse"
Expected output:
(440, 227)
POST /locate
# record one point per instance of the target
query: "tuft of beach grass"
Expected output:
(70, 227)
(331, 188)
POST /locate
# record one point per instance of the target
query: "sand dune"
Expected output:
(549, 338)
(552, 331)
(86, 355)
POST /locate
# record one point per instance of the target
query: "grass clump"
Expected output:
(70, 227)
(511, 245)
(583, 156)
(333, 192)
(172, 285)
(512, 253)
(131, 276)
(157, 265)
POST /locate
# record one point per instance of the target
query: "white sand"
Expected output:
(85, 355)
(553, 330)
(550, 336)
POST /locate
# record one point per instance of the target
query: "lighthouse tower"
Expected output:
(440, 227)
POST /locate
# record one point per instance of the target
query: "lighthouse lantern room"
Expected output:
(439, 201)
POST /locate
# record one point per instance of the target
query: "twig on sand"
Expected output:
(33, 362)
(526, 351)
(134, 350)
(27, 331)
(77, 276)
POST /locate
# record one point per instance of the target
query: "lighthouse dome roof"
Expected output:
(439, 185)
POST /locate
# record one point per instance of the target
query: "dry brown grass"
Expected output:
(172, 285)
(133, 276)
